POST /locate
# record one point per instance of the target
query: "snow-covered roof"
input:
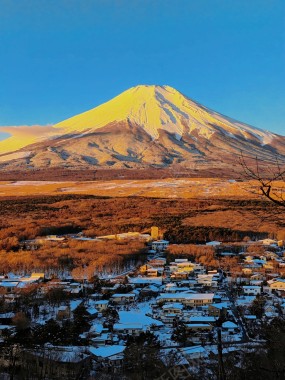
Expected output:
(202, 319)
(8, 284)
(92, 310)
(96, 328)
(220, 305)
(127, 317)
(175, 305)
(128, 326)
(251, 287)
(70, 354)
(145, 280)
(7, 315)
(193, 350)
(190, 325)
(101, 302)
(250, 316)
(107, 351)
(8, 327)
(229, 325)
(213, 243)
(74, 304)
(187, 295)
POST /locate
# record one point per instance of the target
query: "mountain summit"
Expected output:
(145, 126)
(158, 107)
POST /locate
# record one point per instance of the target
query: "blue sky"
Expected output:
(63, 57)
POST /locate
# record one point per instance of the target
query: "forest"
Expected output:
(182, 221)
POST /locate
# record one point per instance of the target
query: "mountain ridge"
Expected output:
(146, 126)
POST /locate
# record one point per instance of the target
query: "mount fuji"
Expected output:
(145, 126)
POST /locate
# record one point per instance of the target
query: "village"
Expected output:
(183, 313)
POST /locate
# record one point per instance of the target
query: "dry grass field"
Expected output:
(186, 210)
(185, 188)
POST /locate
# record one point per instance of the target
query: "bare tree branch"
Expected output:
(267, 178)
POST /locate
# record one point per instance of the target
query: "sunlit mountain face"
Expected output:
(145, 126)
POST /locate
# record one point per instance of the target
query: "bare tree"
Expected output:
(270, 179)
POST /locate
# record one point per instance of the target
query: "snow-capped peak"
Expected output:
(155, 108)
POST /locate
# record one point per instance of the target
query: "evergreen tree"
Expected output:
(142, 361)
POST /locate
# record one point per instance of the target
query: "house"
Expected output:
(177, 289)
(185, 266)
(92, 312)
(57, 363)
(177, 276)
(247, 271)
(218, 309)
(171, 313)
(128, 328)
(230, 327)
(101, 305)
(194, 353)
(270, 311)
(75, 288)
(8, 286)
(37, 277)
(251, 290)
(140, 282)
(152, 272)
(199, 327)
(123, 298)
(159, 245)
(102, 339)
(278, 284)
(9, 329)
(109, 356)
(250, 320)
(150, 290)
(256, 282)
(189, 299)
(174, 308)
(199, 268)
(208, 280)
(95, 330)
(157, 262)
(202, 319)
(245, 300)
(6, 318)
(257, 277)
(63, 312)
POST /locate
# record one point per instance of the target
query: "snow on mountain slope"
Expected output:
(158, 107)
(145, 126)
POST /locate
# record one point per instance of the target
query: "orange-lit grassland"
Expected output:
(206, 188)
(187, 211)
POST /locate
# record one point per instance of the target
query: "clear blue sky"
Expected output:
(62, 57)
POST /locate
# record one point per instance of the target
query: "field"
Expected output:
(185, 188)
(186, 211)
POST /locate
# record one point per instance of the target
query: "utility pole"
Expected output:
(221, 368)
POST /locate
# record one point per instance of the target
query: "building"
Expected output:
(63, 313)
(57, 363)
(123, 298)
(218, 309)
(154, 233)
(128, 328)
(109, 356)
(189, 299)
(159, 245)
(101, 305)
(278, 284)
(251, 290)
